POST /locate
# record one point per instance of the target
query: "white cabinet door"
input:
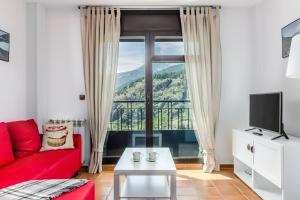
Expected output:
(268, 157)
(241, 144)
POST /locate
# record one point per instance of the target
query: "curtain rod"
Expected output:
(147, 7)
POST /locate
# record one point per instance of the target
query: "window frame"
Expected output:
(164, 58)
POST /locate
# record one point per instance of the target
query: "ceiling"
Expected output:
(150, 3)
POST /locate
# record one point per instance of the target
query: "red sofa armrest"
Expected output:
(77, 141)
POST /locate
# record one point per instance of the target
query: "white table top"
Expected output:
(164, 164)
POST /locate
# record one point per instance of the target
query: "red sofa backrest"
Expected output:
(24, 137)
(6, 153)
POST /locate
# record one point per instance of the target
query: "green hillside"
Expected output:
(168, 85)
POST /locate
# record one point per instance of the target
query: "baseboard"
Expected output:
(226, 166)
(83, 169)
(108, 167)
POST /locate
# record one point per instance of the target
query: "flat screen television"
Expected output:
(266, 111)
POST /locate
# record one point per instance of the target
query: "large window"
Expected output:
(172, 112)
(128, 111)
(151, 103)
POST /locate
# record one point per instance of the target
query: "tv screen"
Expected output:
(265, 111)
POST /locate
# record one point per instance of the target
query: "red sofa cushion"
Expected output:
(6, 183)
(6, 153)
(24, 137)
(56, 164)
(43, 165)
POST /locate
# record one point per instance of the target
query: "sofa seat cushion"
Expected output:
(25, 137)
(6, 183)
(85, 192)
(57, 164)
(6, 153)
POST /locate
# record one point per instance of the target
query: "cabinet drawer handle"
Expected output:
(252, 149)
(248, 147)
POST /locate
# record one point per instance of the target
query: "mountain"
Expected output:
(172, 69)
(125, 78)
(168, 84)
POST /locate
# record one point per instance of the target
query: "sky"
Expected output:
(132, 54)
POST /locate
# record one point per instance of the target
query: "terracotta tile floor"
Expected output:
(191, 185)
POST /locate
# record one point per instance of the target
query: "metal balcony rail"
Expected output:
(167, 115)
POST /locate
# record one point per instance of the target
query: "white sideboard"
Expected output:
(270, 167)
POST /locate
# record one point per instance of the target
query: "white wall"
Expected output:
(60, 77)
(270, 68)
(31, 59)
(237, 53)
(13, 99)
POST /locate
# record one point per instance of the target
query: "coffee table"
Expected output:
(145, 179)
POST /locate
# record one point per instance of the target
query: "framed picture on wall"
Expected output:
(4, 46)
(288, 32)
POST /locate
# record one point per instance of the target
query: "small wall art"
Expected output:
(288, 32)
(4, 46)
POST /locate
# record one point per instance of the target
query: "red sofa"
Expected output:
(56, 164)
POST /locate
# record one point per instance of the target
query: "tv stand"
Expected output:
(269, 167)
(282, 134)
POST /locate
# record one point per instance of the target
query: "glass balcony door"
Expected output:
(151, 103)
(172, 112)
(127, 127)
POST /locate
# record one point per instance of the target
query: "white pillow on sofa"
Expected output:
(57, 136)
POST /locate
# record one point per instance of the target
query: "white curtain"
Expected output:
(100, 33)
(201, 37)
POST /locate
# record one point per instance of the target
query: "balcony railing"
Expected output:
(167, 115)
